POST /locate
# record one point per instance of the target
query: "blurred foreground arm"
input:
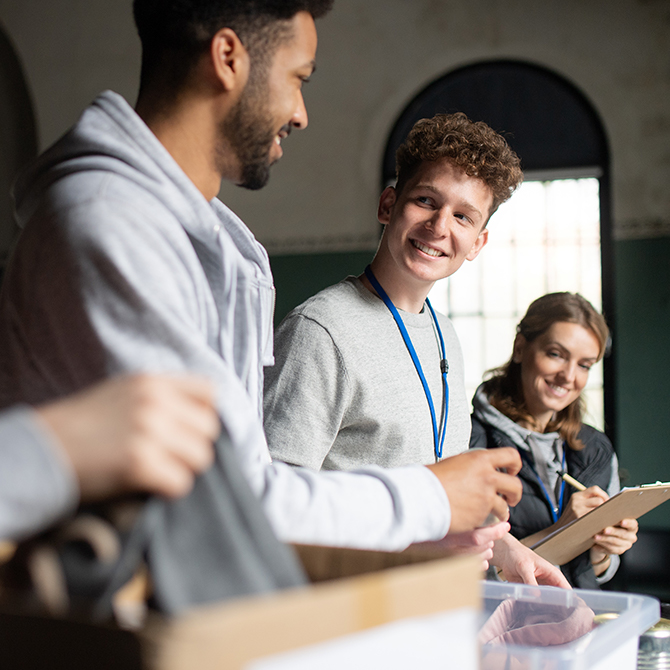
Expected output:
(138, 433)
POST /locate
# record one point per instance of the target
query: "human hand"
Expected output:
(614, 540)
(475, 542)
(518, 563)
(150, 433)
(582, 502)
(476, 485)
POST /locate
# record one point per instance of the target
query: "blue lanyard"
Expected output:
(438, 436)
(555, 511)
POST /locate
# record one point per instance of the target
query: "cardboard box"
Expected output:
(233, 634)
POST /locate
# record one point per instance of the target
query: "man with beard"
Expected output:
(128, 261)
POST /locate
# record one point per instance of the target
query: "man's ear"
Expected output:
(479, 244)
(386, 201)
(230, 60)
(519, 346)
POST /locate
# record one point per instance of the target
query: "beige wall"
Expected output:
(374, 55)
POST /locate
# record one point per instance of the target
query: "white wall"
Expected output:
(374, 56)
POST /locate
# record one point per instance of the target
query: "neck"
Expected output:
(185, 127)
(403, 294)
(539, 423)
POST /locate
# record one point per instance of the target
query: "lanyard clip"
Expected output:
(444, 366)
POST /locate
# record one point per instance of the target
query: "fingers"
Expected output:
(177, 417)
(618, 539)
(596, 492)
(490, 533)
(629, 524)
(507, 462)
(500, 508)
(505, 458)
(478, 538)
(149, 433)
(161, 474)
(197, 388)
(172, 431)
(550, 575)
(475, 485)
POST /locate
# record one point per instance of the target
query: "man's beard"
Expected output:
(248, 133)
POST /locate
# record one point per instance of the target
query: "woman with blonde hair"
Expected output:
(534, 403)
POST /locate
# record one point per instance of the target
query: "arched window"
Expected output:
(18, 138)
(555, 233)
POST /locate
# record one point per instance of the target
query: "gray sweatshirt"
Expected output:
(345, 392)
(124, 266)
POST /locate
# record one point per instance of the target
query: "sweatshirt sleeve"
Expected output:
(306, 393)
(37, 485)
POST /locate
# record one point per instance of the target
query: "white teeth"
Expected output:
(425, 249)
(277, 140)
(560, 390)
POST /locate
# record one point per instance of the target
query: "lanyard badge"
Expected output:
(438, 435)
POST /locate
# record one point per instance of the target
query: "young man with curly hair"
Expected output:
(349, 388)
(344, 391)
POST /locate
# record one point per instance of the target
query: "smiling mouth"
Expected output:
(426, 250)
(285, 131)
(558, 390)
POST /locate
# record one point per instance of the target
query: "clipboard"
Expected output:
(572, 540)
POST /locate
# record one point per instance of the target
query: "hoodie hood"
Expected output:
(520, 436)
(545, 449)
(111, 137)
(489, 415)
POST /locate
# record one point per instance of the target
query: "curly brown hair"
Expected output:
(473, 147)
(504, 389)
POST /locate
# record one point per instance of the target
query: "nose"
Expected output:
(569, 371)
(299, 119)
(439, 223)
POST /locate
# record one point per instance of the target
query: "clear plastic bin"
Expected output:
(610, 645)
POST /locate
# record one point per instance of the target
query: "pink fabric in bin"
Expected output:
(532, 624)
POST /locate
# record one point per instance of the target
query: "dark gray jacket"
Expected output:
(591, 466)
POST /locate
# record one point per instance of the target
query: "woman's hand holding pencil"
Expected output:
(611, 540)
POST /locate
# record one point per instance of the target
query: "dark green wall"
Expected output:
(642, 345)
(299, 276)
(643, 364)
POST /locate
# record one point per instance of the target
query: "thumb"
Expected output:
(527, 573)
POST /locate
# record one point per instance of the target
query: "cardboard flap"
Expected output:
(230, 635)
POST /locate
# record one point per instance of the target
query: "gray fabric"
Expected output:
(217, 525)
(209, 546)
(212, 545)
(344, 391)
(124, 266)
(37, 484)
